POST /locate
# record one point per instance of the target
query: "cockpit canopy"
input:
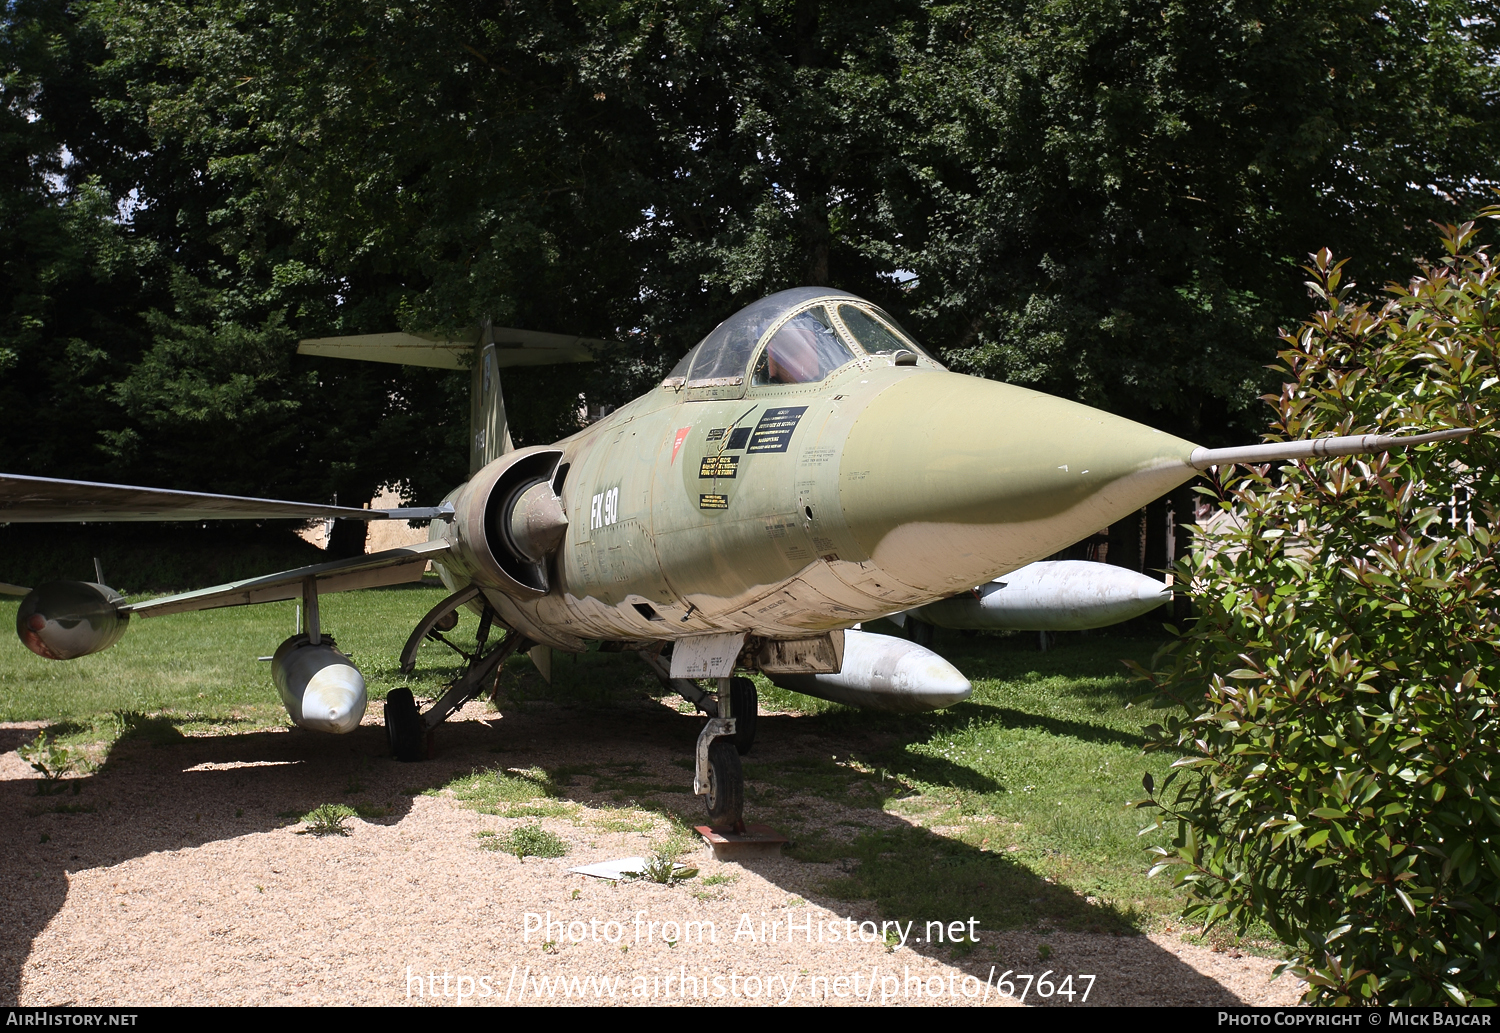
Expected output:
(798, 336)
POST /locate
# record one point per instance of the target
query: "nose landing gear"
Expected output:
(718, 776)
(726, 786)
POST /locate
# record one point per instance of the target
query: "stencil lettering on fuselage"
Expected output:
(774, 431)
(605, 509)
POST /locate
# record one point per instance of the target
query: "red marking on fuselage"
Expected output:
(682, 433)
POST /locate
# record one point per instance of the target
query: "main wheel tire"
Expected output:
(403, 726)
(920, 631)
(726, 785)
(745, 705)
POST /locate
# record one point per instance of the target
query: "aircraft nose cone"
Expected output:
(334, 700)
(947, 481)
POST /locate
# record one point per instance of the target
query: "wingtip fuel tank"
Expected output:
(64, 620)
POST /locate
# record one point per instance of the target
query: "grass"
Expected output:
(1016, 798)
(329, 819)
(198, 671)
(526, 841)
(509, 794)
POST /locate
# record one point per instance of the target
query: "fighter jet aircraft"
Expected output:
(806, 467)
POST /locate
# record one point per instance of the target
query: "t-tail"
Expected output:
(484, 351)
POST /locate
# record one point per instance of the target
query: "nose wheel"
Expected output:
(726, 786)
(718, 776)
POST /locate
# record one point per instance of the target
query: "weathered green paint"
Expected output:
(893, 486)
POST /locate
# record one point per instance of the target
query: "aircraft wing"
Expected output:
(391, 567)
(51, 500)
(6, 589)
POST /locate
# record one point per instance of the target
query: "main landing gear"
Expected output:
(410, 730)
(726, 737)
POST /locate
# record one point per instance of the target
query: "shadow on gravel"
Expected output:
(162, 791)
(14, 738)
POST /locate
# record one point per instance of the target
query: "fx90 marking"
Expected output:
(605, 509)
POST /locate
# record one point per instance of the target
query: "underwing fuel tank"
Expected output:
(1054, 595)
(320, 687)
(63, 620)
(885, 673)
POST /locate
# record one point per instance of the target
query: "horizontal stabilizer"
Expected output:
(391, 567)
(51, 500)
(512, 348)
(1349, 445)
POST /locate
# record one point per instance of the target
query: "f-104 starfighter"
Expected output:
(808, 466)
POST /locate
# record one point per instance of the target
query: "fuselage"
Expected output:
(790, 509)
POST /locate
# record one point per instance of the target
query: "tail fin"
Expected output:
(484, 351)
(489, 432)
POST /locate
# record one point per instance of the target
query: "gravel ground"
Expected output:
(174, 876)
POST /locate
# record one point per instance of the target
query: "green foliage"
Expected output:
(1337, 696)
(662, 867)
(140, 557)
(528, 841)
(51, 759)
(328, 819)
(522, 794)
(1099, 201)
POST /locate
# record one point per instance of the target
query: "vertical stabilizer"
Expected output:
(484, 354)
(489, 433)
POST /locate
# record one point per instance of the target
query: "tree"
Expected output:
(1101, 203)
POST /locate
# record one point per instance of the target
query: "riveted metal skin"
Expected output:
(790, 510)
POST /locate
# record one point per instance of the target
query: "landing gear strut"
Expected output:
(408, 730)
(718, 777)
(746, 705)
(727, 736)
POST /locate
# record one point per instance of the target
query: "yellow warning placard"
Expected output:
(719, 466)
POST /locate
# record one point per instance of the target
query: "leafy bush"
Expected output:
(1336, 698)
